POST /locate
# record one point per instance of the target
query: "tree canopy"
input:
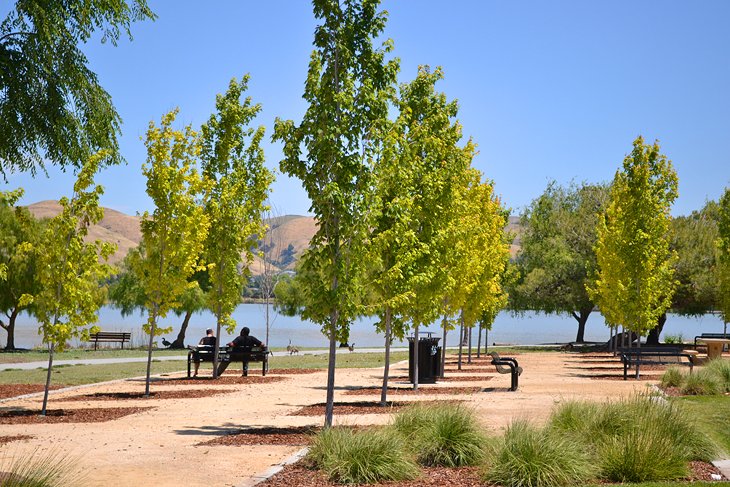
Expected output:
(723, 269)
(52, 107)
(635, 279)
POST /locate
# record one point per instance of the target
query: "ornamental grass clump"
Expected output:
(364, 457)
(444, 435)
(721, 370)
(672, 377)
(538, 457)
(641, 455)
(54, 469)
(703, 382)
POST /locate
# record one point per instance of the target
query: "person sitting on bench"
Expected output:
(207, 341)
(245, 340)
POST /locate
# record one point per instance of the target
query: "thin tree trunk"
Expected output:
(266, 303)
(386, 369)
(51, 347)
(486, 341)
(638, 347)
(415, 358)
(479, 341)
(217, 346)
(468, 357)
(149, 351)
(461, 337)
(330, 406)
(179, 342)
(443, 351)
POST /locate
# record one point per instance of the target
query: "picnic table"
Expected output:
(714, 346)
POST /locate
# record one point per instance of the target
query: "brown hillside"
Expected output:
(116, 227)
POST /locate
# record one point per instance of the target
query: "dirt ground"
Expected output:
(161, 444)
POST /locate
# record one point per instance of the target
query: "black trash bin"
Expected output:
(429, 359)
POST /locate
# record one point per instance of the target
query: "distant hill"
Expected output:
(289, 235)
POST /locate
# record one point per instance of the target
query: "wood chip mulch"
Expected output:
(179, 394)
(620, 376)
(274, 371)
(432, 476)
(450, 378)
(222, 380)
(268, 435)
(91, 415)
(368, 391)
(15, 390)
(703, 471)
(360, 407)
(8, 439)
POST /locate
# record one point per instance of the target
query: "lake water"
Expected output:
(528, 329)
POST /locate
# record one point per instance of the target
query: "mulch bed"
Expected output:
(179, 394)
(620, 376)
(367, 391)
(360, 407)
(432, 476)
(456, 378)
(302, 476)
(91, 415)
(14, 390)
(222, 380)
(257, 371)
(8, 439)
(266, 435)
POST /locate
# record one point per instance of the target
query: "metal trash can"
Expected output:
(429, 358)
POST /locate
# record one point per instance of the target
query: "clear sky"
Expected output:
(548, 90)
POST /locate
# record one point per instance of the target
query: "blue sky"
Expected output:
(548, 90)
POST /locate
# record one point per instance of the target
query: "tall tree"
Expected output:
(348, 89)
(69, 270)
(232, 158)
(557, 260)
(52, 107)
(635, 279)
(17, 226)
(173, 236)
(723, 269)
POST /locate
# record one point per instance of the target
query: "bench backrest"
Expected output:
(496, 361)
(115, 335)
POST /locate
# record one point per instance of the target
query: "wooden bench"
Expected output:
(226, 355)
(507, 365)
(110, 336)
(631, 357)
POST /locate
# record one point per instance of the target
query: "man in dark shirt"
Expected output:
(245, 340)
(207, 341)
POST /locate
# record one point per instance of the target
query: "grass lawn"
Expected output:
(88, 374)
(713, 413)
(79, 353)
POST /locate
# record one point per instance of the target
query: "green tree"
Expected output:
(174, 235)
(348, 88)
(635, 279)
(557, 259)
(18, 226)
(232, 158)
(127, 294)
(69, 270)
(723, 269)
(52, 107)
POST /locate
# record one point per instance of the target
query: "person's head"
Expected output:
(209, 332)
(245, 331)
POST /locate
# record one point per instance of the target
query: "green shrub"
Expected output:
(720, 368)
(444, 435)
(678, 338)
(641, 455)
(363, 457)
(535, 457)
(702, 382)
(672, 377)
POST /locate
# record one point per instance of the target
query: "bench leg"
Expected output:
(245, 369)
(514, 380)
(188, 367)
(626, 366)
(264, 366)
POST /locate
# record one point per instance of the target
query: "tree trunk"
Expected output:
(468, 356)
(10, 328)
(653, 337)
(582, 318)
(444, 323)
(330, 406)
(486, 341)
(638, 347)
(479, 342)
(51, 346)
(179, 342)
(149, 353)
(461, 338)
(386, 369)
